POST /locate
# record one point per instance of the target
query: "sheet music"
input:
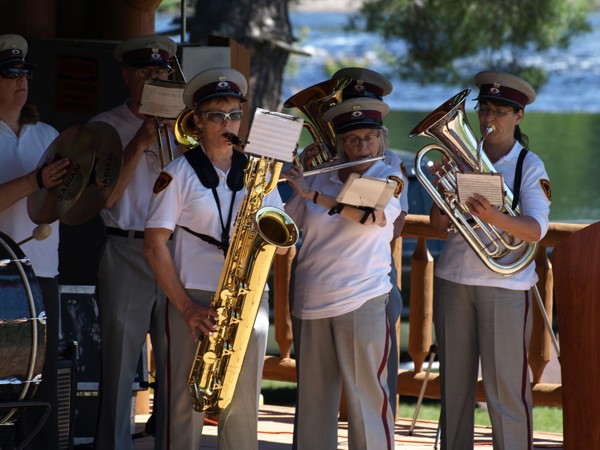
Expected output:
(162, 98)
(366, 191)
(490, 185)
(274, 135)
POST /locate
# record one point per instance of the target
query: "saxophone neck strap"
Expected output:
(208, 177)
(223, 246)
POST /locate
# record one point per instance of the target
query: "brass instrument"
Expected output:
(313, 102)
(177, 81)
(257, 233)
(162, 133)
(448, 124)
(185, 130)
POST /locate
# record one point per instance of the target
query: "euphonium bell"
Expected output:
(448, 125)
(313, 102)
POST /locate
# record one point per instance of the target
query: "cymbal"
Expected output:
(95, 154)
(103, 178)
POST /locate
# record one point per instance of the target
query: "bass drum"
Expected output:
(22, 328)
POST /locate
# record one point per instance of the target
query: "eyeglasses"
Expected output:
(497, 113)
(218, 116)
(152, 73)
(367, 140)
(12, 73)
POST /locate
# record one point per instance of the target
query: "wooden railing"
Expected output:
(283, 368)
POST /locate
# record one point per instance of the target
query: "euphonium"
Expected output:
(448, 124)
(313, 102)
(257, 233)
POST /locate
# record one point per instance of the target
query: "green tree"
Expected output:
(263, 26)
(442, 37)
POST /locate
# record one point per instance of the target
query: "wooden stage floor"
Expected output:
(275, 428)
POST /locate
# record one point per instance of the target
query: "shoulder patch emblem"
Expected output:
(400, 186)
(547, 188)
(161, 183)
(403, 169)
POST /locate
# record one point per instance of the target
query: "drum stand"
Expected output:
(432, 352)
(40, 424)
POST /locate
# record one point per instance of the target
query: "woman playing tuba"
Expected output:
(479, 313)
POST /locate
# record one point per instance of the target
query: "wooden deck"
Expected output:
(275, 428)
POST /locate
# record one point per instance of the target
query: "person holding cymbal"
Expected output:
(23, 141)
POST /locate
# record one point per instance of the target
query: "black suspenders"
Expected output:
(518, 177)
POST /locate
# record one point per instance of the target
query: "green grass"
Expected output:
(547, 419)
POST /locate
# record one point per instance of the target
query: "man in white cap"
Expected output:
(23, 141)
(196, 200)
(130, 301)
(482, 316)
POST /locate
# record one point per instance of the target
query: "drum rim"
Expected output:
(17, 254)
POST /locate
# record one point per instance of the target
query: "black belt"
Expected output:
(132, 234)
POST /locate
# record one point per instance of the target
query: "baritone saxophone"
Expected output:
(258, 232)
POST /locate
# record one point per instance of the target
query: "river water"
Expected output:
(563, 130)
(574, 75)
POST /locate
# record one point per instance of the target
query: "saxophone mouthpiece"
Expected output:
(234, 139)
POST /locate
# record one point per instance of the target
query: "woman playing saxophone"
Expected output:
(197, 204)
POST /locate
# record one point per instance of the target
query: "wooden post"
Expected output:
(32, 19)
(540, 344)
(281, 288)
(124, 19)
(421, 304)
(576, 263)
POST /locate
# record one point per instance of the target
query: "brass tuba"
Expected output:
(448, 124)
(257, 233)
(313, 102)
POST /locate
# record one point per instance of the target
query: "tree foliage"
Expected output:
(262, 26)
(447, 40)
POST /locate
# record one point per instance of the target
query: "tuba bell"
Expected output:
(448, 125)
(313, 102)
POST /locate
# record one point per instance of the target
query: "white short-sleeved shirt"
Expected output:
(341, 263)
(187, 202)
(459, 263)
(129, 211)
(19, 155)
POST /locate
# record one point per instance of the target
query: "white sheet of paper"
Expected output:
(161, 98)
(490, 185)
(274, 135)
(366, 191)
